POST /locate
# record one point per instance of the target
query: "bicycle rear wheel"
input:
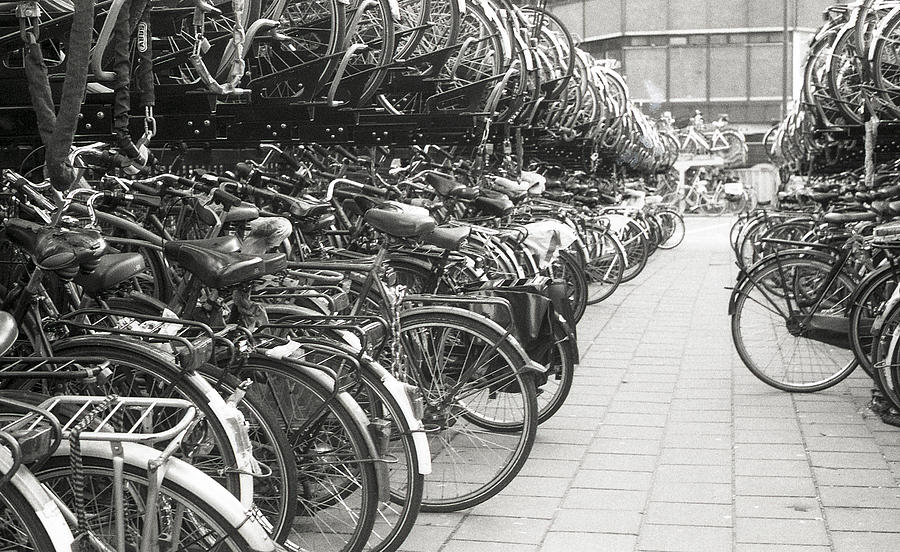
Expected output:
(338, 488)
(636, 250)
(605, 269)
(673, 228)
(771, 332)
(480, 406)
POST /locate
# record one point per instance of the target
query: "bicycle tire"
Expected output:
(863, 311)
(168, 378)
(636, 250)
(425, 334)
(567, 268)
(56, 474)
(833, 371)
(671, 219)
(309, 398)
(21, 528)
(605, 271)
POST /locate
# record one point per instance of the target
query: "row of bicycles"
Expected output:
(817, 291)
(300, 353)
(302, 62)
(850, 76)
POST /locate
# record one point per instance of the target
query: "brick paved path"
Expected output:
(668, 443)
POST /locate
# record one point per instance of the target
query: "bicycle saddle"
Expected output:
(244, 212)
(62, 250)
(443, 184)
(448, 237)
(222, 244)
(506, 186)
(823, 197)
(400, 221)
(887, 192)
(9, 331)
(498, 206)
(558, 195)
(111, 271)
(301, 208)
(217, 269)
(464, 193)
(852, 216)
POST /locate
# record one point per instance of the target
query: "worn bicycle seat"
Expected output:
(399, 222)
(9, 331)
(244, 212)
(851, 216)
(465, 193)
(823, 197)
(443, 184)
(301, 208)
(499, 206)
(111, 271)
(558, 195)
(222, 244)
(220, 270)
(65, 251)
(448, 237)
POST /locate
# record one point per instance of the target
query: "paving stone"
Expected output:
(504, 505)
(502, 529)
(860, 497)
(863, 542)
(625, 446)
(703, 493)
(866, 520)
(587, 542)
(477, 546)
(854, 477)
(678, 513)
(781, 531)
(771, 468)
(847, 460)
(686, 473)
(685, 538)
(782, 507)
(555, 451)
(707, 457)
(773, 486)
(426, 538)
(592, 521)
(605, 499)
(621, 462)
(550, 468)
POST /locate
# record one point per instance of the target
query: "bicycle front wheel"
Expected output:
(480, 406)
(790, 324)
(673, 228)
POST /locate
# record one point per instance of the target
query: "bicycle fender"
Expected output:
(526, 362)
(188, 477)
(420, 440)
(746, 274)
(343, 397)
(44, 507)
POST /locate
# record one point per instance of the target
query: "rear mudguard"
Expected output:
(748, 275)
(525, 362)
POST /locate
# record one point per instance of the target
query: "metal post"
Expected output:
(785, 71)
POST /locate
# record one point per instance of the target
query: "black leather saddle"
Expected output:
(448, 237)
(443, 184)
(111, 271)
(400, 222)
(495, 205)
(219, 269)
(65, 251)
(852, 216)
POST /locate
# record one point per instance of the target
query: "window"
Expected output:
(644, 15)
(697, 40)
(737, 38)
(686, 14)
(688, 74)
(602, 17)
(572, 16)
(678, 40)
(646, 72)
(718, 39)
(765, 76)
(728, 72)
(722, 14)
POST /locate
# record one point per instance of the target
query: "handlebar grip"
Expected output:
(226, 199)
(371, 190)
(147, 200)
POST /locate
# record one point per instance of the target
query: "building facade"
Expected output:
(740, 57)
